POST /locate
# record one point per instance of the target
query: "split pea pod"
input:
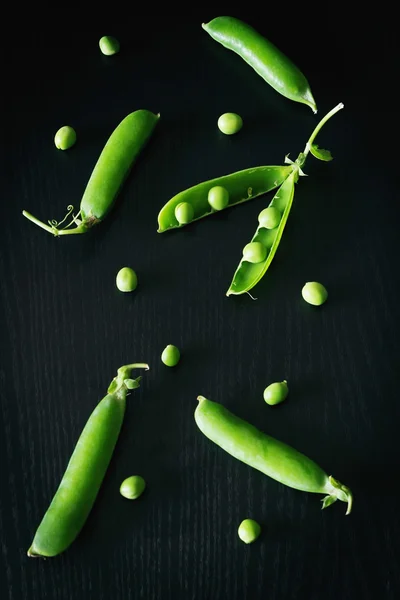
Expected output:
(267, 454)
(241, 186)
(112, 167)
(269, 231)
(80, 484)
(263, 56)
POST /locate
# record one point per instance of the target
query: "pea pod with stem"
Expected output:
(112, 167)
(80, 484)
(263, 56)
(241, 186)
(272, 457)
(248, 274)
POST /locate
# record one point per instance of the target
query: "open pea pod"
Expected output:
(242, 186)
(248, 274)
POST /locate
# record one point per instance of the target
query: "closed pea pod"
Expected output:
(86, 469)
(108, 175)
(263, 56)
(267, 454)
(241, 186)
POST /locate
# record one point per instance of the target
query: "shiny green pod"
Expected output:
(272, 457)
(248, 274)
(112, 167)
(263, 56)
(241, 186)
(80, 484)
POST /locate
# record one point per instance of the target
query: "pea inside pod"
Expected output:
(112, 167)
(240, 186)
(272, 457)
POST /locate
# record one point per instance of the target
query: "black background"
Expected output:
(65, 328)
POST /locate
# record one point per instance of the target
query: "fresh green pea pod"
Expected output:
(248, 274)
(86, 469)
(267, 454)
(108, 175)
(241, 186)
(263, 56)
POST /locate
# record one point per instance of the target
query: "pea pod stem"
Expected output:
(81, 228)
(319, 127)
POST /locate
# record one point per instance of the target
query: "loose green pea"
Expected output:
(126, 280)
(65, 137)
(170, 355)
(230, 123)
(255, 252)
(218, 197)
(249, 530)
(132, 487)
(184, 213)
(276, 393)
(269, 217)
(109, 45)
(314, 293)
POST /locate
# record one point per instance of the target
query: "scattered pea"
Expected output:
(255, 252)
(65, 137)
(249, 530)
(126, 280)
(109, 45)
(184, 213)
(276, 393)
(218, 197)
(269, 217)
(314, 293)
(230, 123)
(132, 487)
(170, 355)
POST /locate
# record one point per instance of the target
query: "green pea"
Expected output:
(170, 355)
(314, 293)
(109, 45)
(132, 487)
(184, 213)
(276, 393)
(255, 252)
(230, 123)
(218, 197)
(65, 137)
(269, 217)
(126, 280)
(249, 530)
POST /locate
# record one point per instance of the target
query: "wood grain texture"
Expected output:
(65, 328)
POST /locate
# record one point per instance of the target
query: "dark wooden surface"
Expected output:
(65, 328)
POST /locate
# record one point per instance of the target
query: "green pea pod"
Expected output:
(112, 167)
(265, 58)
(267, 454)
(242, 186)
(85, 471)
(248, 274)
